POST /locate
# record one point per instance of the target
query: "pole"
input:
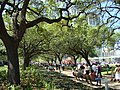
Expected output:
(106, 84)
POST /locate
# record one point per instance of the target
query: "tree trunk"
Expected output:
(85, 56)
(60, 61)
(88, 62)
(13, 62)
(26, 63)
(75, 61)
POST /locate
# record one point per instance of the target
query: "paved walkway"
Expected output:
(112, 85)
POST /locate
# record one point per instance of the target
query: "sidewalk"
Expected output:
(112, 85)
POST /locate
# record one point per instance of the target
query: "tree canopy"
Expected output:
(16, 16)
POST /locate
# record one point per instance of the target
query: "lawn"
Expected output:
(105, 73)
(37, 78)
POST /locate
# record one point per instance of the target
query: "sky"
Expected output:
(113, 12)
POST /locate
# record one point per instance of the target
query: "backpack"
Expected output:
(99, 68)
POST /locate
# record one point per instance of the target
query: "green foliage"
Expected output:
(35, 42)
(113, 39)
(49, 85)
(80, 37)
(37, 11)
(3, 72)
(83, 36)
(2, 52)
(37, 80)
(13, 87)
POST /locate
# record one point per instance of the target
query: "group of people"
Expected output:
(57, 66)
(89, 73)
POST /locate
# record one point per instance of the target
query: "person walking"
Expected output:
(117, 73)
(63, 66)
(94, 67)
(99, 70)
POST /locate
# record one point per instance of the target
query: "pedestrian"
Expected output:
(63, 66)
(117, 73)
(107, 67)
(56, 66)
(87, 69)
(78, 66)
(99, 70)
(94, 67)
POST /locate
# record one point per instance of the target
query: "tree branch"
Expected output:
(23, 21)
(41, 19)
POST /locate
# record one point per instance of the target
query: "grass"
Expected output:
(36, 78)
(105, 73)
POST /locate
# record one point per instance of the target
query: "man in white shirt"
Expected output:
(94, 67)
